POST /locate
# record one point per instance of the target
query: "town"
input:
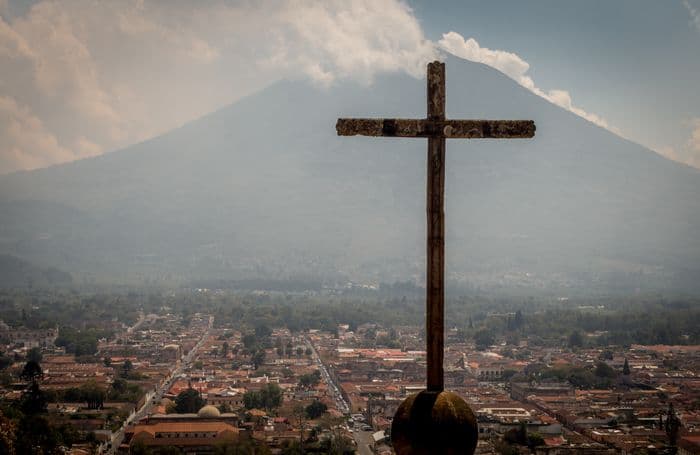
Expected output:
(230, 375)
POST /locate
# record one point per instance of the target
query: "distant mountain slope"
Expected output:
(264, 188)
(15, 273)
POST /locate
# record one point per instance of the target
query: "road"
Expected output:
(156, 396)
(343, 406)
(364, 442)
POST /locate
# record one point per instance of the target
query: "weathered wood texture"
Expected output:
(437, 129)
(435, 251)
(450, 129)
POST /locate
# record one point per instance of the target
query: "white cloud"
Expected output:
(694, 14)
(96, 76)
(689, 152)
(26, 143)
(513, 66)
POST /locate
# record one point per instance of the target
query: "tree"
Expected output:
(626, 368)
(519, 321)
(224, 349)
(575, 339)
(34, 355)
(269, 397)
(309, 380)
(315, 409)
(35, 436)
(292, 448)
(603, 370)
(673, 425)
(189, 401)
(299, 414)
(262, 331)
(168, 450)
(534, 440)
(127, 368)
(107, 361)
(483, 339)
(258, 358)
(249, 340)
(242, 447)
(34, 400)
(7, 435)
(140, 448)
(5, 361)
(93, 394)
(607, 354)
(31, 371)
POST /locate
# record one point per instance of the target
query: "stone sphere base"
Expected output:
(434, 423)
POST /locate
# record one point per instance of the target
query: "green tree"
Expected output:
(31, 371)
(626, 368)
(188, 401)
(672, 426)
(315, 409)
(139, 448)
(603, 370)
(242, 447)
(519, 320)
(5, 361)
(7, 435)
(292, 448)
(36, 436)
(269, 397)
(575, 339)
(127, 369)
(258, 358)
(224, 349)
(483, 339)
(93, 394)
(309, 380)
(534, 440)
(35, 355)
(607, 354)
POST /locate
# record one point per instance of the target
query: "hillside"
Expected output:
(264, 188)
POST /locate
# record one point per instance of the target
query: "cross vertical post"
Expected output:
(435, 421)
(435, 202)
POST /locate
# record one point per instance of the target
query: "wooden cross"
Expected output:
(436, 128)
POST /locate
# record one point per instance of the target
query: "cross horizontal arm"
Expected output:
(467, 129)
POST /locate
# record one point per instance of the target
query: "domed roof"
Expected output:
(433, 422)
(209, 411)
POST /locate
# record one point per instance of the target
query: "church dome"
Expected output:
(434, 423)
(209, 411)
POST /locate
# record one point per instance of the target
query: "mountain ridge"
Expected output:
(257, 188)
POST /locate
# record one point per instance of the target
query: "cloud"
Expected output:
(689, 152)
(513, 66)
(340, 39)
(694, 14)
(26, 143)
(97, 76)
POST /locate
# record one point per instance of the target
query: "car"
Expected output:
(366, 428)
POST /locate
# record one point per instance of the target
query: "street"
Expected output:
(364, 442)
(332, 386)
(154, 398)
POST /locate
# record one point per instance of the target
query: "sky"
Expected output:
(79, 78)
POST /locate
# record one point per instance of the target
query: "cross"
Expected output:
(436, 128)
